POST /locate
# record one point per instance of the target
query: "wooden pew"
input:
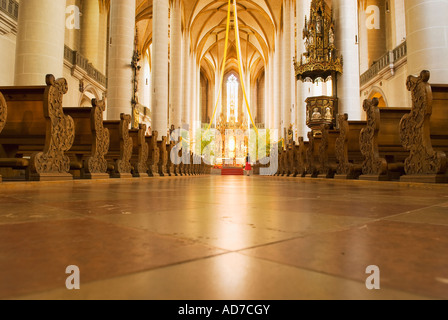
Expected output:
(163, 160)
(170, 167)
(348, 151)
(91, 144)
(3, 116)
(380, 143)
(140, 152)
(281, 169)
(154, 155)
(178, 168)
(424, 132)
(312, 156)
(37, 133)
(301, 156)
(286, 161)
(327, 165)
(121, 147)
(190, 166)
(290, 161)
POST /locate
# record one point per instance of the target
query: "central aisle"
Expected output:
(223, 238)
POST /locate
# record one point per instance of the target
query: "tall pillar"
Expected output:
(191, 111)
(400, 21)
(278, 100)
(186, 81)
(363, 37)
(160, 67)
(215, 100)
(102, 38)
(272, 90)
(427, 28)
(302, 9)
(267, 90)
(176, 65)
(346, 33)
(288, 68)
(90, 31)
(121, 50)
(40, 41)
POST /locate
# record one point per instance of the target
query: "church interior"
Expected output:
(223, 149)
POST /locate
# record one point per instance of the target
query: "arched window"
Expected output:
(232, 97)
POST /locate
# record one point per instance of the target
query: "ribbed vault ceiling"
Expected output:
(205, 23)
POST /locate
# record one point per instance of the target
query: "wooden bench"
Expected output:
(3, 116)
(154, 155)
(37, 133)
(121, 147)
(163, 160)
(170, 167)
(380, 143)
(327, 161)
(91, 143)
(301, 158)
(140, 152)
(281, 163)
(287, 163)
(424, 132)
(348, 154)
(177, 168)
(312, 156)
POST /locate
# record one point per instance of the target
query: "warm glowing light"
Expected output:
(232, 144)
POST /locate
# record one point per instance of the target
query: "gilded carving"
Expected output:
(126, 145)
(97, 163)
(61, 129)
(415, 131)
(373, 164)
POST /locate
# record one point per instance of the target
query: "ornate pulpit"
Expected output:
(320, 62)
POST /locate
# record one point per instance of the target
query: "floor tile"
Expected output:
(411, 257)
(226, 277)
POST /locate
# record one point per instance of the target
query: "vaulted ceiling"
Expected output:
(205, 23)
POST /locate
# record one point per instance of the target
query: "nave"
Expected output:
(214, 237)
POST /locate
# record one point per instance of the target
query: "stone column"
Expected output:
(267, 90)
(346, 16)
(186, 81)
(363, 37)
(427, 27)
(278, 100)
(160, 67)
(102, 38)
(121, 50)
(217, 87)
(40, 41)
(400, 21)
(303, 9)
(90, 31)
(192, 79)
(288, 68)
(272, 90)
(176, 65)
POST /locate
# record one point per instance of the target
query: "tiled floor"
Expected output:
(223, 238)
